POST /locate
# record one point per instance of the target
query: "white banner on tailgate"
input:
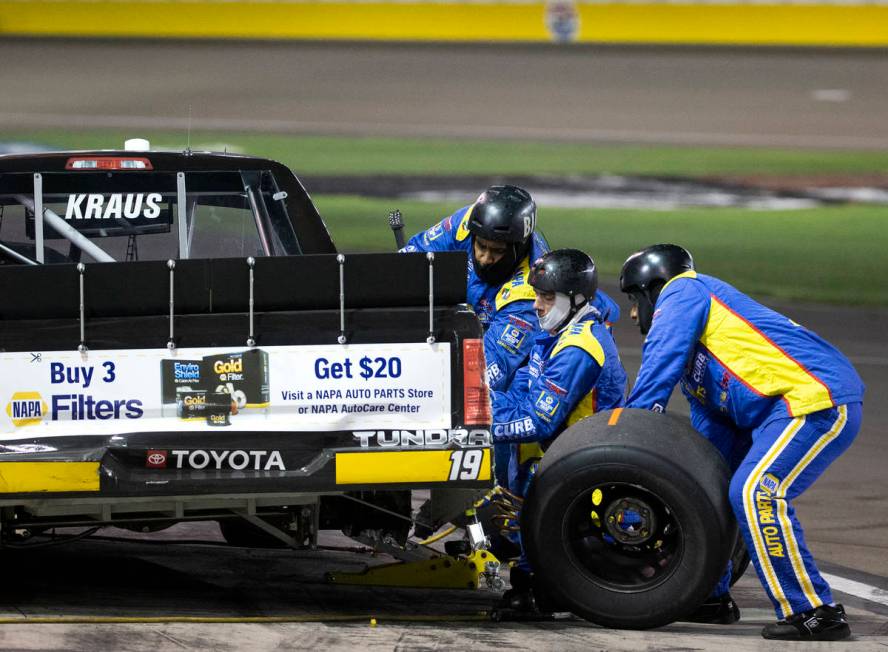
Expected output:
(275, 388)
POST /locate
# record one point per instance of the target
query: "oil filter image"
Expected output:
(191, 404)
(197, 387)
(244, 375)
(215, 407)
(178, 373)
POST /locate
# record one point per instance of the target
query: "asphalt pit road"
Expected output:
(148, 577)
(82, 580)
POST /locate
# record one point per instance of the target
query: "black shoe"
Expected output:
(526, 596)
(519, 599)
(716, 611)
(522, 605)
(824, 623)
(520, 579)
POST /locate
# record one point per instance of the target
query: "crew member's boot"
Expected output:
(716, 611)
(526, 596)
(825, 623)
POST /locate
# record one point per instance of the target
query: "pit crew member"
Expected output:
(498, 231)
(779, 402)
(574, 368)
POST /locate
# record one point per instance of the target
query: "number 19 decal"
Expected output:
(465, 465)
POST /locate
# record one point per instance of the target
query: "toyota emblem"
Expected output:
(156, 459)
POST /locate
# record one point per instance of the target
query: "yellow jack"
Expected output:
(445, 572)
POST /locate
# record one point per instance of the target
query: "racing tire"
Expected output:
(627, 523)
(740, 559)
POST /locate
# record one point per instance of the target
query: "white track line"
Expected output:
(857, 589)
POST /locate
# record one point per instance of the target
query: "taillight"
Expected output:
(108, 163)
(476, 398)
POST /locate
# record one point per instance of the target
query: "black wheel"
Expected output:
(628, 523)
(739, 559)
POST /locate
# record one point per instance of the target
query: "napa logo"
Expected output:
(26, 409)
(769, 484)
(511, 338)
(547, 404)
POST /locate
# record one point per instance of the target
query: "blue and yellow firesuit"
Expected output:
(779, 402)
(570, 375)
(506, 312)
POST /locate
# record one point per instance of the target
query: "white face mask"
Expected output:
(557, 313)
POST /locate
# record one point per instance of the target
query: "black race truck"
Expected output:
(181, 340)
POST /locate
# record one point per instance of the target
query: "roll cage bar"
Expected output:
(185, 209)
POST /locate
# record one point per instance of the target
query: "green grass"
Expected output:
(827, 254)
(834, 254)
(342, 155)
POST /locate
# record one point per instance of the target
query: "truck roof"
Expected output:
(311, 233)
(161, 160)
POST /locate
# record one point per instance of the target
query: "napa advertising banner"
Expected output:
(276, 388)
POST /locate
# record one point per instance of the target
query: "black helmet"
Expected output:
(646, 272)
(569, 272)
(503, 214)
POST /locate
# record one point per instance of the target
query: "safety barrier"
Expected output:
(718, 22)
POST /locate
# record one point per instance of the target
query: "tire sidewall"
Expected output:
(701, 559)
